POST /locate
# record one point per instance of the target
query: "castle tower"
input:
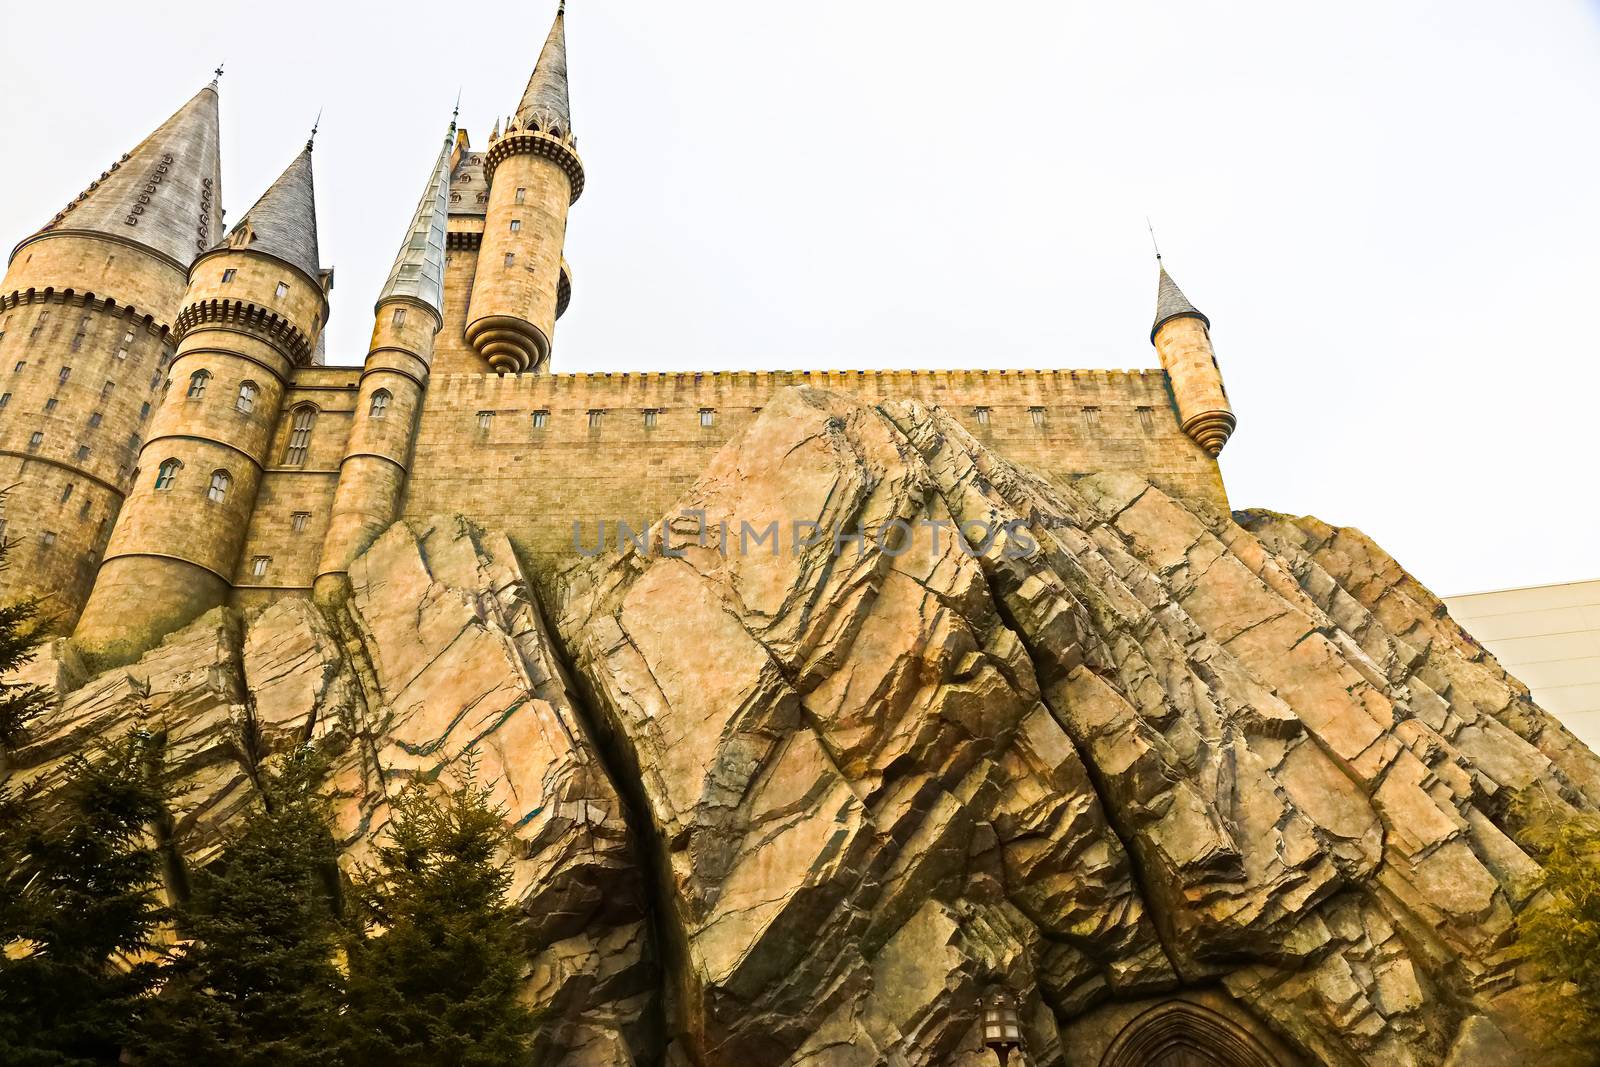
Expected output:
(372, 477)
(534, 176)
(254, 310)
(86, 313)
(1182, 336)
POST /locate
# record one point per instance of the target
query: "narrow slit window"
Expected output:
(399, 316)
(95, 419)
(220, 483)
(36, 441)
(5, 398)
(21, 365)
(227, 275)
(83, 452)
(50, 405)
(108, 388)
(66, 372)
(66, 492)
(522, 196)
(304, 419)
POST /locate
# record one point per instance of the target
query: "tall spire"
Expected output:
(419, 268)
(1172, 304)
(545, 105)
(166, 194)
(283, 223)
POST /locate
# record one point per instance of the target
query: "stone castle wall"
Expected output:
(479, 452)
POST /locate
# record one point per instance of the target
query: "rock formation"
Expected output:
(805, 794)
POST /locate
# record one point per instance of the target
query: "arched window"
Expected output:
(167, 473)
(247, 397)
(380, 404)
(197, 384)
(304, 418)
(220, 481)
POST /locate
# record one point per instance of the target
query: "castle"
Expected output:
(175, 441)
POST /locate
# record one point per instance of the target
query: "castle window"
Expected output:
(83, 452)
(220, 481)
(122, 353)
(95, 420)
(485, 420)
(380, 404)
(127, 338)
(21, 363)
(144, 410)
(299, 520)
(541, 419)
(982, 415)
(5, 398)
(35, 441)
(516, 225)
(283, 290)
(511, 257)
(83, 512)
(1037, 415)
(259, 565)
(1091, 418)
(305, 417)
(708, 417)
(227, 275)
(66, 372)
(247, 397)
(1147, 421)
(105, 390)
(66, 492)
(596, 417)
(133, 442)
(2, 526)
(77, 341)
(399, 316)
(522, 196)
(50, 405)
(47, 538)
(197, 384)
(650, 418)
(168, 473)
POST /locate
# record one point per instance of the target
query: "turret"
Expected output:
(534, 176)
(254, 310)
(409, 312)
(87, 310)
(1182, 336)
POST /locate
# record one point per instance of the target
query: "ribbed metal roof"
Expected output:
(166, 194)
(1172, 304)
(419, 268)
(283, 223)
(545, 104)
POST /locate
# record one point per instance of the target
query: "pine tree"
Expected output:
(1561, 934)
(81, 908)
(257, 984)
(21, 634)
(434, 975)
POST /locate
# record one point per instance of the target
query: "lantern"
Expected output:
(1002, 1026)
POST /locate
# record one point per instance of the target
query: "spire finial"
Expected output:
(218, 71)
(1151, 227)
(311, 141)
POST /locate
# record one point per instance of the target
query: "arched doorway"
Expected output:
(1180, 1033)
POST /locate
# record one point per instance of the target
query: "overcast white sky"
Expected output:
(1389, 210)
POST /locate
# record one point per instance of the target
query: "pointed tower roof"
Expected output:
(166, 194)
(1172, 304)
(419, 268)
(283, 223)
(545, 103)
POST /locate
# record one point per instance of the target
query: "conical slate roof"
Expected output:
(1172, 304)
(419, 268)
(167, 193)
(545, 103)
(283, 223)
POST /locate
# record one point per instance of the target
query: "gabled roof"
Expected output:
(166, 194)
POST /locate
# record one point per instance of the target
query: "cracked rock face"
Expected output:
(797, 796)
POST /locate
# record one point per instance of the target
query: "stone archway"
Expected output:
(1180, 1033)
